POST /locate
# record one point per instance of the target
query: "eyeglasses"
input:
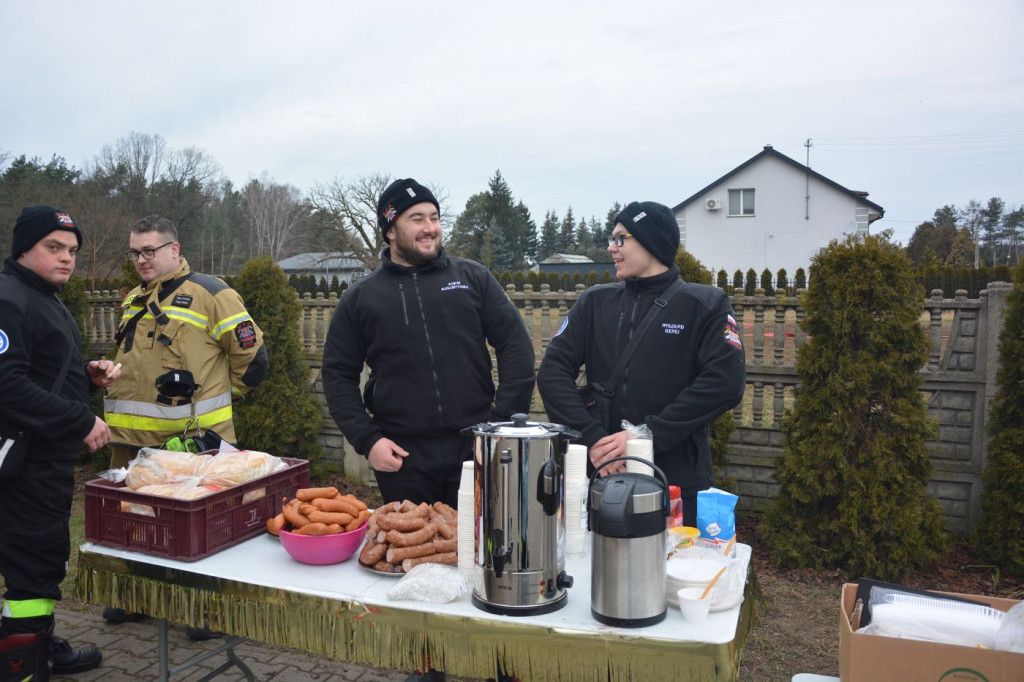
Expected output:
(619, 239)
(146, 253)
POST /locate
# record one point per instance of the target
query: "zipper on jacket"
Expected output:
(430, 348)
(405, 309)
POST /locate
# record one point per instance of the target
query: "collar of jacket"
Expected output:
(440, 262)
(657, 284)
(16, 269)
(181, 271)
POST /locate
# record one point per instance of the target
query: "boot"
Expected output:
(23, 657)
(65, 660)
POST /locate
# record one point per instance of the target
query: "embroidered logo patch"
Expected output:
(245, 332)
(182, 301)
(639, 216)
(389, 213)
(732, 334)
(410, 191)
(673, 327)
(4, 341)
(65, 220)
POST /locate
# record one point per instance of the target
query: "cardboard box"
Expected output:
(872, 658)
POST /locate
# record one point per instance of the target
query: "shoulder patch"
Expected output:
(732, 333)
(245, 332)
(5, 343)
(182, 301)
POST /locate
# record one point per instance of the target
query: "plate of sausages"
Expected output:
(401, 535)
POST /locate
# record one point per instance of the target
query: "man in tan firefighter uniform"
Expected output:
(186, 345)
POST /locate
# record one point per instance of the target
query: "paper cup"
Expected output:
(693, 607)
(466, 482)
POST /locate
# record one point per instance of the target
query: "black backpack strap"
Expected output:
(659, 305)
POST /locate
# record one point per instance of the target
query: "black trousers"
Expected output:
(432, 471)
(35, 542)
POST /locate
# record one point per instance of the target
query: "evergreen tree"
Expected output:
(1000, 533)
(280, 416)
(609, 221)
(766, 282)
(466, 237)
(509, 225)
(751, 284)
(961, 255)
(782, 282)
(548, 236)
(567, 233)
(853, 479)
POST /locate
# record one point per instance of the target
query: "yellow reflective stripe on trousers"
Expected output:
(139, 423)
(28, 608)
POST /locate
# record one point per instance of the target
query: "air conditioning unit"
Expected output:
(713, 204)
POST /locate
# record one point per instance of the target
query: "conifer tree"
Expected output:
(999, 537)
(853, 478)
(280, 416)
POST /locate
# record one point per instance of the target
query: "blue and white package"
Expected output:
(716, 518)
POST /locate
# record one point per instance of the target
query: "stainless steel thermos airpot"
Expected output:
(519, 560)
(626, 513)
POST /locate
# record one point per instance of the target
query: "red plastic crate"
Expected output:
(187, 530)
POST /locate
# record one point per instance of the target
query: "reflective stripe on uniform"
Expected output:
(229, 323)
(28, 608)
(135, 423)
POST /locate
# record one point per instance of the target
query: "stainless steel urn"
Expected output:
(519, 561)
(626, 514)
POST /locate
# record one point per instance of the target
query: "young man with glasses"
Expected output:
(688, 368)
(186, 345)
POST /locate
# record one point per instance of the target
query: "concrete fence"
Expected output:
(958, 382)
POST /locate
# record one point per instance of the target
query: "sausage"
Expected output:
(356, 501)
(358, 521)
(448, 528)
(333, 528)
(294, 516)
(312, 529)
(416, 537)
(310, 494)
(336, 504)
(401, 522)
(448, 558)
(340, 518)
(385, 567)
(275, 524)
(396, 555)
(372, 552)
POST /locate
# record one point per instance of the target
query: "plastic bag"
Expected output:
(716, 518)
(1011, 632)
(435, 583)
(637, 431)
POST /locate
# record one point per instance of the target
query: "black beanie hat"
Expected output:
(653, 225)
(35, 222)
(399, 196)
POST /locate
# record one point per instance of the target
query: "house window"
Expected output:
(741, 202)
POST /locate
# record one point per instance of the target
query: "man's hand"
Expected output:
(103, 373)
(386, 455)
(607, 448)
(98, 437)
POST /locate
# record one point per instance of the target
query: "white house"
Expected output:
(770, 212)
(323, 266)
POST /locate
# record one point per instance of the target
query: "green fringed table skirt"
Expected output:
(257, 591)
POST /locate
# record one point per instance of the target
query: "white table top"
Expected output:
(263, 561)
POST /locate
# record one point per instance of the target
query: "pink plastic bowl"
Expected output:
(321, 550)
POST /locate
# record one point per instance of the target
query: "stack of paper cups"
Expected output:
(576, 486)
(467, 520)
(642, 448)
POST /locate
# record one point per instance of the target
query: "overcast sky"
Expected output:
(919, 103)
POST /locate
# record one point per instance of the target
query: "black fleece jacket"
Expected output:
(688, 369)
(37, 334)
(423, 331)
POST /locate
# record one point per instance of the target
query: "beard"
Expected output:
(404, 247)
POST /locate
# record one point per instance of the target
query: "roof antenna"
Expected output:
(807, 196)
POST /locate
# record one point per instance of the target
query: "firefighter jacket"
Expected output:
(187, 346)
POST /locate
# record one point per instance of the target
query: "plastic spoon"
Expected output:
(713, 581)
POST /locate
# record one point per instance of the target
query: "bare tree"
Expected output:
(274, 215)
(348, 212)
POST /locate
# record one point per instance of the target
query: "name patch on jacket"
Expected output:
(182, 301)
(246, 334)
(457, 284)
(732, 334)
(673, 327)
